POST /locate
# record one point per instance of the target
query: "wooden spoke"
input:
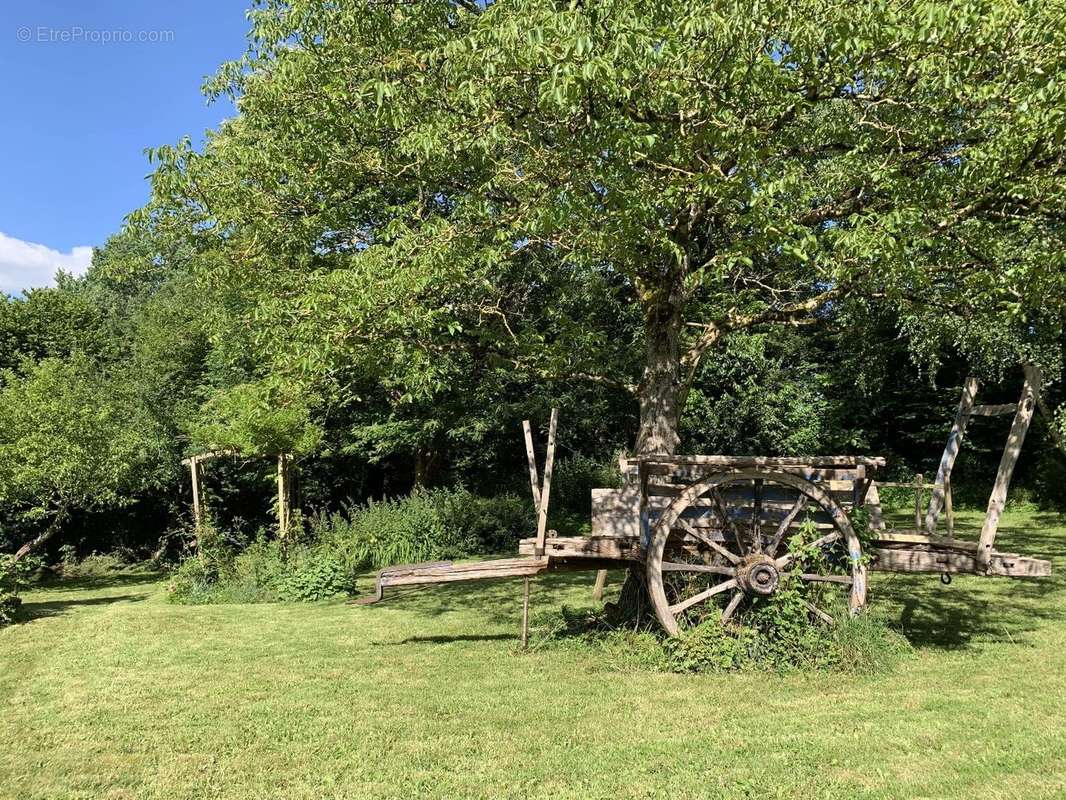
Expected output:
(707, 540)
(847, 580)
(706, 593)
(674, 566)
(727, 614)
(727, 521)
(756, 516)
(786, 523)
(826, 618)
(829, 538)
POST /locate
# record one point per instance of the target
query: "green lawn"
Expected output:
(112, 692)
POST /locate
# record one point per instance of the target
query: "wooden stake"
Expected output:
(919, 481)
(197, 507)
(998, 499)
(525, 615)
(283, 495)
(601, 582)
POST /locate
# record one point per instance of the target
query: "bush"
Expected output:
(424, 526)
(263, 572)
(775, 636)
(12, 579)
(320, 560)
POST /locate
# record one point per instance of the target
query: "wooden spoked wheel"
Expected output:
(735, 538)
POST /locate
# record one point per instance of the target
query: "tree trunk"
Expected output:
(660, 387)
(427, 465)
(660, 395)
(41, 538)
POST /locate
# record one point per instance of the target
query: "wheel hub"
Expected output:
(757, 574)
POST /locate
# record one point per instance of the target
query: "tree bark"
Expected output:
(427, 465)
(660, 394)
(41, 538)
(660, 387)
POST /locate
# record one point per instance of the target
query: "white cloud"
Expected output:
(26, 265)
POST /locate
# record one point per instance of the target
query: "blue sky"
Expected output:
(86, 87)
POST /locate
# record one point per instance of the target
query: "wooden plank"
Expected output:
(695, 472)
(622, 548)
(904, 559)
(479, 570)
(873, 508)
(748, 462)
(545, 492)
(998, 499)
(534, 479)
(951, 451)
(209, 455)
(616, 512)
(995, 411)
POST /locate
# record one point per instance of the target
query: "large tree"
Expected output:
(402, 173)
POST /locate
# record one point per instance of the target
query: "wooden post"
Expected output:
(525, 615)
(998, 499)
(601, 582)
(949, 510)
(283, 495)
(545, 492)
(951, 451)
(197, 506)
(919, 482)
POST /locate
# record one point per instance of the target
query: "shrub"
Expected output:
(321, 560)
(12, 579)
(774, 636)
(423, 526)
(263, 572)
(574, 479)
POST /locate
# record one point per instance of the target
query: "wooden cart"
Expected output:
(714, 533)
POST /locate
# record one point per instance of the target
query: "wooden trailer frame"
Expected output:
(711, 517)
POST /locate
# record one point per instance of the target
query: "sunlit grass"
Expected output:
(109, 691)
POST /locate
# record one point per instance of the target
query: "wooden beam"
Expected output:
(1008, 565)
(545, 492)
(998, 499)
(197, 503)
(995, 411)
(951, 452)
(534, 478)
(209, 455)
(283, 495)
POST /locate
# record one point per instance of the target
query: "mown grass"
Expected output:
(109, 691)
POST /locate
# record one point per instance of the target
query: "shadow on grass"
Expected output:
(55, 608)
(97, 582)
(462, 637)
(499, 601)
